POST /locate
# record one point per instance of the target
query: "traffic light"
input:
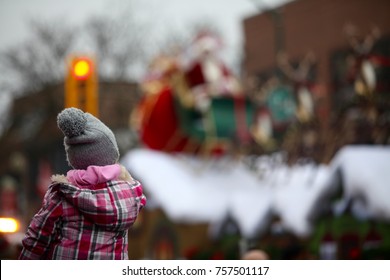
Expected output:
(81, 85)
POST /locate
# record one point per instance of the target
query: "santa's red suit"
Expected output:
(206, 75)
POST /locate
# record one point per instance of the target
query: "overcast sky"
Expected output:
(175, 14)
(14, 14)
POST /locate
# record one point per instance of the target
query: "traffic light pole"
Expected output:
(81, 85)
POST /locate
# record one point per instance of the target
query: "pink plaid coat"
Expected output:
(78, 223)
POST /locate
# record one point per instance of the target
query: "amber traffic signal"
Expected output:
(81, 85)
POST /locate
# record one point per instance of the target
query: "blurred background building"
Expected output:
(333, 49)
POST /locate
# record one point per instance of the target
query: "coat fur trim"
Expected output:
(124, 176)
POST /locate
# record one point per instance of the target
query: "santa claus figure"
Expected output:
(206, 75)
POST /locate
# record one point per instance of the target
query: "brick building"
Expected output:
(319, 27)
(309, 25)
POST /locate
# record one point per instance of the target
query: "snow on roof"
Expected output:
(193, 189)
(196, 190)
(297, 197)
(365, 175)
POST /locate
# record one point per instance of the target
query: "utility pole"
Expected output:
(277, 18)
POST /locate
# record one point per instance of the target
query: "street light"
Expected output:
(8, 225)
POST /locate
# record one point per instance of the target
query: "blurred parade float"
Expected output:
(193, 103)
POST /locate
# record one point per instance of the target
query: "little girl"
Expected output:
(87, 213)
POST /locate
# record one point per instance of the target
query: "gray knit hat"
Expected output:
(87, 140)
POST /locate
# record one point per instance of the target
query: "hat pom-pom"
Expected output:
(72, 122)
